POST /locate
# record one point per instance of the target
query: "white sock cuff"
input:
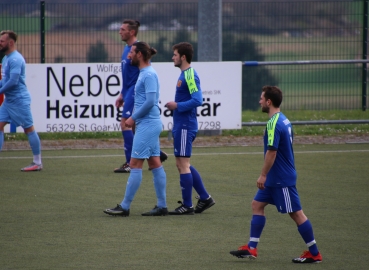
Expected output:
(311, 243)
(253, 239)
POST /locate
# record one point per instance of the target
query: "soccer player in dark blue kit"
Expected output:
(277, 181)
(128, 32)
(187, 98)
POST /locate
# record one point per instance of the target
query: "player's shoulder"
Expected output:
(15, 57)
(283, 119)
(150, 71)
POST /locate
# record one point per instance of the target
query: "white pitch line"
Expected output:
(198, 154)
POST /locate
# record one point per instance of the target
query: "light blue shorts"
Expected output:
(17, 115)
(285, 199)
(146, 142)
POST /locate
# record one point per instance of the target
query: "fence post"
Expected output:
(365, 51)
(42, 30)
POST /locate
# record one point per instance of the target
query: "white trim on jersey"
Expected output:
(287, 199)
(182, 151)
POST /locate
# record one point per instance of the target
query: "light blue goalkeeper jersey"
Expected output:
(147, 82)
(14, 63)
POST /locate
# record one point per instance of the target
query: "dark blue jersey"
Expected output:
(188, 97)
(129, 74)
(278, 137)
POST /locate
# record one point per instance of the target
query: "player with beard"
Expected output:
(146, 144)
(277, 181)
(16, 107)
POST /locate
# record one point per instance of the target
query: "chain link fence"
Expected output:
(252, 31)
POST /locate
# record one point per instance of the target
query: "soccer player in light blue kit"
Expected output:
(17, 104)
(128, 32)
(187, 98)
(146, 145)
(277, 181)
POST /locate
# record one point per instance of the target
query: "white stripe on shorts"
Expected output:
(287, 200)
(182, 151)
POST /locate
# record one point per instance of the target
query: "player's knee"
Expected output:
(257, 207)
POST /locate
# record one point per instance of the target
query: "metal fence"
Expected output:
(252, 31)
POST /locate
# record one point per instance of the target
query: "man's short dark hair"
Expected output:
(274, 94)
(11, 34)
(132, 25)
(184, 48)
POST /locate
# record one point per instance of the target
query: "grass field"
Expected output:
(53, 219)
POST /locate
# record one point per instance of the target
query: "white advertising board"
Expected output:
(81, 97)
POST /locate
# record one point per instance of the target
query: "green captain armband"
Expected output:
(190, 80)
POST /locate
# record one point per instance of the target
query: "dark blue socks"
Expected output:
(128, 142)
(257, 226)
(306, 232)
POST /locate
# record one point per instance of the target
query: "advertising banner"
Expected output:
(81, 97)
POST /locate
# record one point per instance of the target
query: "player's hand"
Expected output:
(261, 181)
(119, 101)
(171, 105)
(129, 122)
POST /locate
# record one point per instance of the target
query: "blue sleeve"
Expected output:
(11, 83)
(195, 101)
(146, 106)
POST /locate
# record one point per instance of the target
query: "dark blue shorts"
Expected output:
(286, 199)
(128, 107)
(182, 142)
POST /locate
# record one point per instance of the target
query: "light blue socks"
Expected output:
(34, 142)
(133, 183)
(160, 183)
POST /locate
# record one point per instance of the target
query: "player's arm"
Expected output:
(119, 101)
(195, 101)
(151, 90)
(146, 106)
(269, 159)
(196, 95)
(10, 84)
(271, 153)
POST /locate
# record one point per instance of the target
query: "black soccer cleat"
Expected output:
(163, 156)
(117, 211)
(156, 211)
(123, 169)
(182, 210)
(202, 205)
(245, 252)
